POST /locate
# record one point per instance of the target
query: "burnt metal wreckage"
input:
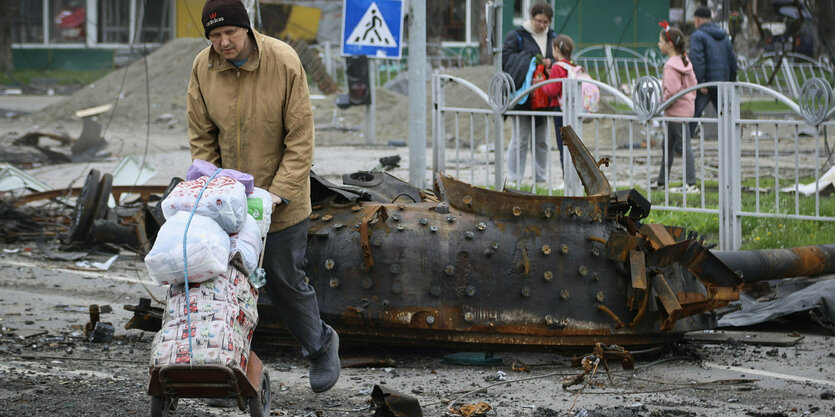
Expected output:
(462, 266)
(474, 267)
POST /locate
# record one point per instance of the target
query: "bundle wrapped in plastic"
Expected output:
(260, 207)
(223, 200)
(246, 243)
(200, 168)
(223, 313)
(207, 250)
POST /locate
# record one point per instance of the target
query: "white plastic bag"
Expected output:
(247, 242)
(224, 201)
(260, 207)
(207, 250)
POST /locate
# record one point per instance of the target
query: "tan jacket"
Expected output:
(256, 119)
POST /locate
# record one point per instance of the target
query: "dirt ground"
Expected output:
(47, 368)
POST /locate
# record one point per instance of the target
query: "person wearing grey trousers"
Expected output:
(674, 146)
(517, 150)
(295, 302)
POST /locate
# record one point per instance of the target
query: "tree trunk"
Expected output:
(8, 12)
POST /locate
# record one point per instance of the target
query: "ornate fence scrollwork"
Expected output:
(646, 97)
(815, 101)
(501, 91)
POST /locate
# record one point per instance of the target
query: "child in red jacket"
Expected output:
(563, 46)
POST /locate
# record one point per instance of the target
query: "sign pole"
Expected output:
(417, 94)
(370, 113)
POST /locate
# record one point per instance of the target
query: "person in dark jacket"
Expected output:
(713, 59)
(533, 38)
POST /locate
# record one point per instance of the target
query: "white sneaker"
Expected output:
(687, 189)
(656, 186)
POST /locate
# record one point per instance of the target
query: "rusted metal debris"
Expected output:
(145, 317)
(470, 266)
(390, 403)
(83, 149)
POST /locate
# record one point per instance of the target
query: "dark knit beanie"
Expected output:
(703, 12)
(217, 13)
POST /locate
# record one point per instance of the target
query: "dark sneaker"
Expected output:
(325, 366)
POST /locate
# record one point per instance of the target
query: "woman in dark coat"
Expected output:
(521, 44)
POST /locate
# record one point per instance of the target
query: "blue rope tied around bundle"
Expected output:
(185, 266)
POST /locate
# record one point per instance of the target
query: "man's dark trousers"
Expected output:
(701, 105)
(292, 297)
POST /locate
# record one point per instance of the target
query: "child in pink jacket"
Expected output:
(678, 76)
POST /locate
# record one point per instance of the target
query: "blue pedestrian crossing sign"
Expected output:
(372, 27)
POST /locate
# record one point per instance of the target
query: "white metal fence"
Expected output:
(755, 165)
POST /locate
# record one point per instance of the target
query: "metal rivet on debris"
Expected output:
(329, 264)
(334, 282)
(583, 270)
(517, 211)
(469, 290)
(356, 208)
(401, 227)
(549, 320)
(450, 218)
(395, 217)
(595, 251)
(449, 270)
(314, 216)
(565, 294)
(326, 217)
(424, 221)
(494, 245)
(526, 292)
(401, 206)
(469, 235)
(430, 320)
(394, 269)
(317, 207)
(396, 288)
(481, 226)
(548, 275)
(469, 317)
(600, 296)
(564, 248)
(435, 291)
(577, 211)
(367, 283)
(385, 303)
(548, 213)
(595, 277)
(338, 225)
(433, 229)
(546, 250)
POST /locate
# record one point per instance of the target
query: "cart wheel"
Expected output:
(260, 406)
(159, 407)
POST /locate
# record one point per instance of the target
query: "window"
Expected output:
(68, 19)
(28, 26)
(114, 21)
